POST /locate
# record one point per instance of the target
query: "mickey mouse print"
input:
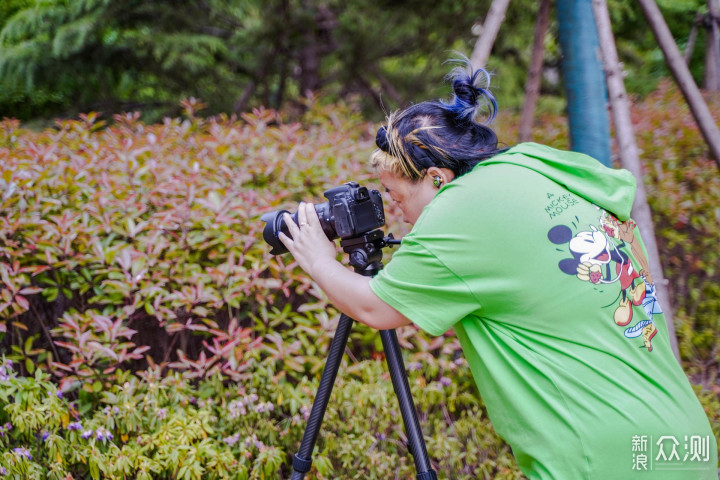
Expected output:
(610, 253)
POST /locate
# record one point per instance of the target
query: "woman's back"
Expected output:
(554, 305)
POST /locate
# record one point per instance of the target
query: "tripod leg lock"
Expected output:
(301, 465)
(429, 475)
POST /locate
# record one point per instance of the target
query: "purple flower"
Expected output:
(8, 426)
(59, 394)
(103, 435)
(87, 434)
(254, 441)
(45, 435)
(74, 426)
(23, 452)
(264, 407)
(414, 366)
(3, 471)
(236, 409)
(162, 413)
(445, 381)
(108, 411)
(6, 370)
(232, 440)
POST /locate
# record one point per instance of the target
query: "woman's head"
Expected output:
(436, 139)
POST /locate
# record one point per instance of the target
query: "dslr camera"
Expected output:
(351, 211)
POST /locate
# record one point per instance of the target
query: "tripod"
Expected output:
(365, 256)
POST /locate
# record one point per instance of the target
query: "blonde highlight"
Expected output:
(396, 160)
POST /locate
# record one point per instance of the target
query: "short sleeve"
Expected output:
(418, 285)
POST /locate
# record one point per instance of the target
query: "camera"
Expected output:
(351, 211)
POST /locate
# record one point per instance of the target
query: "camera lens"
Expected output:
(275, 223)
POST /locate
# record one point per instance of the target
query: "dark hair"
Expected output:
(438, 133)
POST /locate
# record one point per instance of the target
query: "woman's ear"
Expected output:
(439, 176)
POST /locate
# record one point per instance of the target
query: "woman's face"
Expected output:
(410, 197)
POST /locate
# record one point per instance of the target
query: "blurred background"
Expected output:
(59, 58)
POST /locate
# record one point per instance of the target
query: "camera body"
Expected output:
(351, 210)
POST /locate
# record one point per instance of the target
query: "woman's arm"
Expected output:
(349, 291)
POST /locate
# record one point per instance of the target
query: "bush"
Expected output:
(143, 312)
(139, 245)
(155, 425)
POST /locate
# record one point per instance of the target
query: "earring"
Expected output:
(437, 181)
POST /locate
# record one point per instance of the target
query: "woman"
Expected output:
(530, 255)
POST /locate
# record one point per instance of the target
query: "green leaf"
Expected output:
(30, 366)
(50, 294)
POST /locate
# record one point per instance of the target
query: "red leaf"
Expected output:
(30, 290)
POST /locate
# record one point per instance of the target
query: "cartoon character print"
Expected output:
(598, 257)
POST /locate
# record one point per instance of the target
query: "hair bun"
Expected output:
(465, 92)
(472, 94)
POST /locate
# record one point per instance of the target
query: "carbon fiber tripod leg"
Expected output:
(303, 459)
(416, 442)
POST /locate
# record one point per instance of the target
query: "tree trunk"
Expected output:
(365, 85)
(490, 28)
(712, 53)
(318, 41)
(281, 46)
(388, 87)
(628, 151)
(584, 81)
(691, 39)
(309, 65)
(240, 103)
(532, 86)
(682, 76)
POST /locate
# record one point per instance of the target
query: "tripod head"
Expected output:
(365, 251)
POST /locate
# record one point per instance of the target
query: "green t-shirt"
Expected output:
(554, 304)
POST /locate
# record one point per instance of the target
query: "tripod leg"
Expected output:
(303, 459)
(416, 442)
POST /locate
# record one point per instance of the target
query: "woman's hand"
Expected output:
(309, 244)
(349, 291)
